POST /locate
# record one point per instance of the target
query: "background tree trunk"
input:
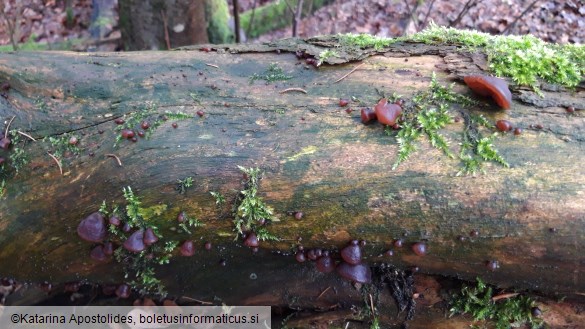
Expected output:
(143, 26)
(316, 158)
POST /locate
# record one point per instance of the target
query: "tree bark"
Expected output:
(316, 158)
(143, 23)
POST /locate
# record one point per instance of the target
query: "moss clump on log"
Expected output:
(218, 30)
(522, 58)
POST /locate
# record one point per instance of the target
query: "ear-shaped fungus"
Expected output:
(496, 88)
(98, 254)
(367, 115)
(123, 291)
(93, 228)
(387, 113)
(352, 254)
(300, 256)
(5, 143)
(114, 220)
(149, 237)
(356, 273)
(108, 248)
(251, 240)
(419, 248)
(325, 264)
(188, 248)
(135, 242)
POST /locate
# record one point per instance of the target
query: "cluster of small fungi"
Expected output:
(349, 266)
(94, 229)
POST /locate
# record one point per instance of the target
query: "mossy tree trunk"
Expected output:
(147, 25)
(316, 157)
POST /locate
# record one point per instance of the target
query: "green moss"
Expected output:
(184, 184)
(59, 145)
(139, 268)
(152, 212)
(477, 149)
(249, 211)
(219, 198)
(477, 301)
(325, 55)
(427, 116)
(429, 113)
(365, 41)
(525, 59)
(148, 113)
(189, 222)
(17, 159)
(217, 13)
(272, 73)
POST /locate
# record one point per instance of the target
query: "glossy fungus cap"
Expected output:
(496, 88)
(93, 228)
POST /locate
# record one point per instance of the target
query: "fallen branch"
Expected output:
(27, 135)
(504, 296)
(372, 307)
(350, 72)
(189, 299)
(115, 157)
(293, 89)
(8, 126)
(56, 161)
(323, 292)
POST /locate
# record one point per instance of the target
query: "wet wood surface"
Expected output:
(315, 157)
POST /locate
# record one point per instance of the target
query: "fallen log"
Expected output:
(233, 108)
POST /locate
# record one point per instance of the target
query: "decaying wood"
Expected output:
(316, 158)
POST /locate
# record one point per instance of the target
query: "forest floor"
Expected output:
(561, 21)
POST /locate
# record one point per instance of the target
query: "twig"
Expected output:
(251, 22)
(196, 300)
(504, 296)
(212, 65)
(323, 292)
(468, 5)
(56, 161)
(115, 157)
(167, 39)
(8, 126)
(296, 15)
(289, 7)
(427, 14)
(27, 135)
(346, 325)
(509, 27)
(372, 306)
(411, 14)
(12, 24)
(297, 18)
(350, 72)
(293, 89)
